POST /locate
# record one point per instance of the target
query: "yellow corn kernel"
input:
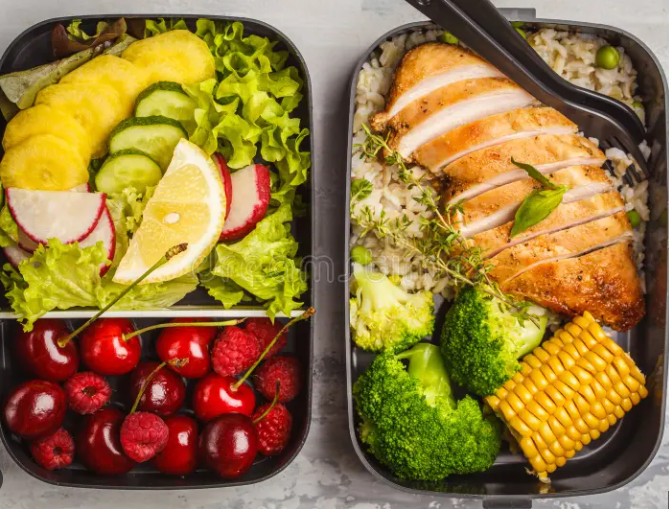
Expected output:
(573, 329)
(556, 427)
(542, 447)
(582, 426)
(643, 392)
(560, 461)
(612, 419)
(519, 426)
(636, 399)
(506, 410)
(541, 354)
(588, 316)
(565, 337)
(580, 346)
(524, 369)
(493, 402)
(600, 392)
(584, 377)
(587, 392)
(532, 361)
(604, 379)
(631, 383)
(596, 331)
(582, 322)
(588, 339)
(596, 361)
(509, 385)
(582, 404)
(555, 364)
(546, 402)
(539, 379)
(531, 421)
(567, 443)
(621, 366)
(502, 392)
(612, 346)
(538, 463)
(619, 412)
(626, 404)
(555, 395)
(587, 365)
(577, 447)
(546, 432)
(552, 348)
(562, 416)
(604, 426)
(613, 396)
(637, 374)
(586, 438)
(573, 411)
(598, 410)
(538, 411)
(551, 467)
(530, 385)
(591, 421)
(573, 433)
(527, 445)
(514, 402)
(548, 373)
(523, 394)
(595, 434)
(622, 390)
(603, 353)
(572, 351)
(608, 406)
(569, 379)
(567, 360)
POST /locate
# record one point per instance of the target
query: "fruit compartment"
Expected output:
(33, 48)
(626, 449)
(144, 476)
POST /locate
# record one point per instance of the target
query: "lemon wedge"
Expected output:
(188, 206)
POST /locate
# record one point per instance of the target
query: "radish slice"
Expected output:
(15, 255)
(81, 188)
(251, 191)
(44, 215)
(227, 180)
(105, 232)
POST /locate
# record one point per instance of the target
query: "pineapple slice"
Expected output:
(43, 119)
(178, 55)
(96, 106)
(43, 162)
(128, 79)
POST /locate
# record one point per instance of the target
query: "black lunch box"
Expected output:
(32, 48)
(625, 451)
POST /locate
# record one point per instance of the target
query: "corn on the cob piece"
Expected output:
(567, 392)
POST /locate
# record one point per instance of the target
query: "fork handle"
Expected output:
(491, 20)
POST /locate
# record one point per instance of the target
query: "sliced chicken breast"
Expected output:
(486, 169)
(567, 215)
(514, 261)
(427, 68)
(490, 131)
(452, 106)
(604, 282)
(494, 208)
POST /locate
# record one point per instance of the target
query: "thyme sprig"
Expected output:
(441, 244)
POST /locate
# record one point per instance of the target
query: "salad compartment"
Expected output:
(33, 48)
(625, 451)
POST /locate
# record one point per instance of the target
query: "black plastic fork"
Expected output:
(483, 29)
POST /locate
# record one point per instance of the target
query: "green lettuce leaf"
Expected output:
(160, 26)
(60, 276)
(9, 230)
(223, 290)
(74, 29)
(263, 263)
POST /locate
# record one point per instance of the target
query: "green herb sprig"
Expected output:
(441, 244)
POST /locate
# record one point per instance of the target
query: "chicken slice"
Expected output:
(490, 131)
(452, 106)
(494, 208)
(486, 169)
(426, 68)
(603, 282)
(567, 215)
(514, 261)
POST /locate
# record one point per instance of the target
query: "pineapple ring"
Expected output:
(43, 162)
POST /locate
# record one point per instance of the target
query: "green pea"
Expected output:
(521, 32)
(361, 255)
(634, 218)
(607, 57)
(449, 38)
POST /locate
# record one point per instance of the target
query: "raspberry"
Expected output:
(284, 368)
(273, 429)
(265, 331)
(87, 392)
(234, 351)
(53, 451)
(143, 435)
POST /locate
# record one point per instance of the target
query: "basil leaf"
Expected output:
(536, 175)
(360, 189)
(536, 207)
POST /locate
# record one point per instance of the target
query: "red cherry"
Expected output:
(180, 454)
(99, 443)
(190, 343)
(35, 409)
(39, 354)
(165, 393)
(105, 352)
(229, 445)
(215, 395)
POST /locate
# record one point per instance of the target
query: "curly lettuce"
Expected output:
(9, 230)
(263, 263)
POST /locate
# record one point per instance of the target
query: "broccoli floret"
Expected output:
(384, 316)
(412, 424)
(482, 340)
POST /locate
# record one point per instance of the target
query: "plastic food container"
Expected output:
(625, 451)
(33, 48)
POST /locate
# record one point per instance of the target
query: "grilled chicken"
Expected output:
(494, 208)
(451, 112)
(490, 131)
(566, 215)
(452, 106)
(604, 282)
(427, 68)
(514, 261)
(489, 168)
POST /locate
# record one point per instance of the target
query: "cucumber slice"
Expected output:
(167, 99)
(127, 168)
(155, 136)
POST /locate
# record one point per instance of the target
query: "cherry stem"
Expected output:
(177, 363)
(171, 253)
(307, 314)
(271, 407)
(226, 323)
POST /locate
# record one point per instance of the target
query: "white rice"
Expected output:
(571, 55)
